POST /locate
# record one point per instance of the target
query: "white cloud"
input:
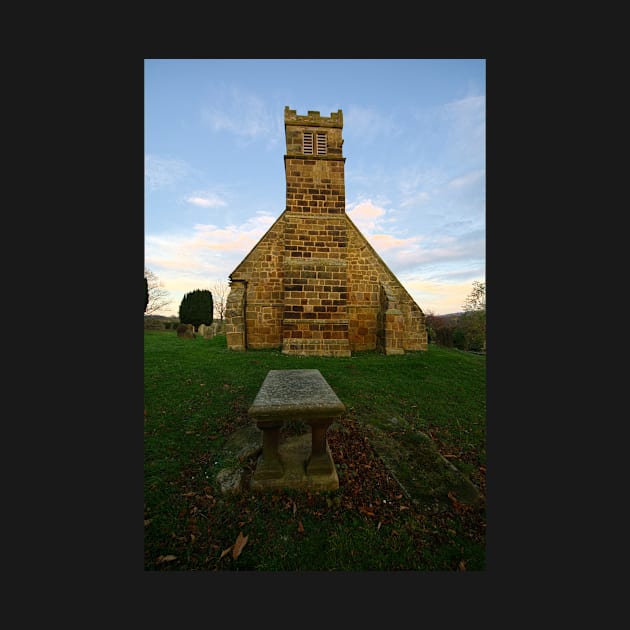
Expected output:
(466, 138)
(364, 125)
(243, 114)
(467, 112)
(415, 199)
(164, 172)
(467, 180)
(386, 242)
(454, 243)
(365, 215)
(206, 201)
(440, 298)
(184, 262)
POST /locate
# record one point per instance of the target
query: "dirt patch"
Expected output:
(410, 457)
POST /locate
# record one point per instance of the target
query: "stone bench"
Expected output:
(290, 395)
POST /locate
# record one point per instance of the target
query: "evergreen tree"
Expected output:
(196, 308)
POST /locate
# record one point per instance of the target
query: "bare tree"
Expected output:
(473, 320)
(157, 294)
(476, 301)
(220, 292)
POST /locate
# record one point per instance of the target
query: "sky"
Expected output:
(414, 135)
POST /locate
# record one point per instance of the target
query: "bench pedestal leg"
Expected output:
(320, 462)
(270, 466)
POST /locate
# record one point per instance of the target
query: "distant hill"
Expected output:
(451, 317)
(161, 317)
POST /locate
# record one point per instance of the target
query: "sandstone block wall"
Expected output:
(368, 277)
(301, 302)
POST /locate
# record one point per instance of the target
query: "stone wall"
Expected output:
(373, 290)
(271, 321)
(315, 317)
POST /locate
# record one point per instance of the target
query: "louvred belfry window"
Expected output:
(321, 144)
(308, 143)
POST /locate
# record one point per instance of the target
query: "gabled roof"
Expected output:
(260, 240)
(352, 226)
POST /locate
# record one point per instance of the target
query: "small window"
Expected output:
(308, 143)
(321, 144)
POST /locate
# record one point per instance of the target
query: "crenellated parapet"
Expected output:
(315, 119)
(315, 138)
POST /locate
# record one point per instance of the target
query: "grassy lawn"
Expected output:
(196, 394)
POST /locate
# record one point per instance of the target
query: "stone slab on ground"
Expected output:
(240, 446)
(424, 474)
(244, 442)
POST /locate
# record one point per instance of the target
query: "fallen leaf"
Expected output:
(300, 526)
(454, 500)
(241, 541)
(226, 551)
(167, 558)
(147, 521)
(294, 508)
(379, 525)
(462, 565)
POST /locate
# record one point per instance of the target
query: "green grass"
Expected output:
(197, 392)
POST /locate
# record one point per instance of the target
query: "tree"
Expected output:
(196, 308)
(146, 294)
(220, 291)
(473, 320)
(431, 322)
(476, 300)
(157, 295)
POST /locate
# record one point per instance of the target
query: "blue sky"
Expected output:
(415, 147)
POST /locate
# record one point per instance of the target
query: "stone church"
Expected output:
(313, 285)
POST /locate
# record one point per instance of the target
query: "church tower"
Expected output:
(315, 278)
(313, 285)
